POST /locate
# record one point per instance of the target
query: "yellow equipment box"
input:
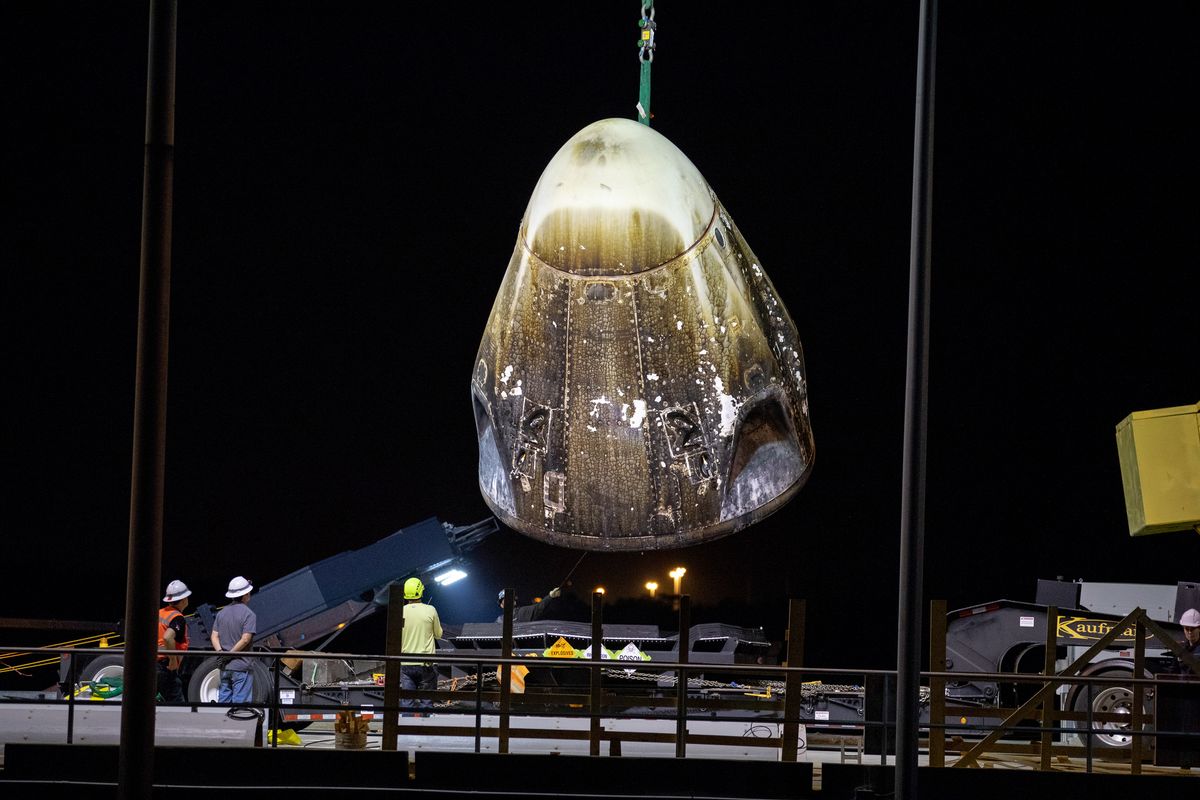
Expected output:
(1160, 469)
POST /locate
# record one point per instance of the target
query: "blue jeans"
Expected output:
(414, 676)
(236, 687)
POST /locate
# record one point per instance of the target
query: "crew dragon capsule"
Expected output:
(639, 385)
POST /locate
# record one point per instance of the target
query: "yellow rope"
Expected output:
(102, 638)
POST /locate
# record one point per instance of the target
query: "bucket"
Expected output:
(350, 741)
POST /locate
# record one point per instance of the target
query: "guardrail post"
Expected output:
(391, 669)
(1091, 694)
(275, 721)
(505, 672)
(1139, 697)
(681, 688)
(1048, 716)
(790, 740)
(478, 705)
(937, 686)
(71, 702)
(596, 678)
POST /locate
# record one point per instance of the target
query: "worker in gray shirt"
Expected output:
(233, 630)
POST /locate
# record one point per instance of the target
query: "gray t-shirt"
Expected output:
(232, 621)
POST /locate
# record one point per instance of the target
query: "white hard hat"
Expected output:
(176, 590)
(1190, 618)
(238, 587)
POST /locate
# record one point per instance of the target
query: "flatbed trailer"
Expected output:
(1009, 637)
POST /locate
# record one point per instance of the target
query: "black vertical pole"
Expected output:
(276, 722)
(595, 680)
(1139, 698)
(393, 645)
(790, 740)
(478, 705)
(912, 522)
(135, 773)
(681, 689)
(505, 671)
(71, 702)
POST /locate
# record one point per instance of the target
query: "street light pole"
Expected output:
(135, 768)
(912, 521)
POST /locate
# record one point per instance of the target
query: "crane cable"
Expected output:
(646, 47)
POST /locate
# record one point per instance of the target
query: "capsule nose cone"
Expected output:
(617, 199)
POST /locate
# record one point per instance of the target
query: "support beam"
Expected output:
(505, 671)
(1048, 661)
(596, 683)
(937, 686)
(681, 687)
(391, 669)
(790, 741)
(1139, 698)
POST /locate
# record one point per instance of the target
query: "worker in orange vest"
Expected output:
(172, 635)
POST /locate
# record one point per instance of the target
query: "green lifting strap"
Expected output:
(646, 57)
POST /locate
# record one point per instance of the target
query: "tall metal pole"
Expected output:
(393, 645)
(136, 770)
(912, 522)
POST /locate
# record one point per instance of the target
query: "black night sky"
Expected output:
(349, 181)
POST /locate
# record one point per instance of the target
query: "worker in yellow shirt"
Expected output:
(422, 629)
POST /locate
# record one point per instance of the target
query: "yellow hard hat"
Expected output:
(413, 589)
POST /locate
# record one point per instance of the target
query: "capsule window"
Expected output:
(720, 236)
(599, 292)
(533, 427)
(554, 491)
(683, 432)
(699, 466)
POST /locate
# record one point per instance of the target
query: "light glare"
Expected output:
(449, 576)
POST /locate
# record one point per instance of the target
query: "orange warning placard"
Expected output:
(560, 649)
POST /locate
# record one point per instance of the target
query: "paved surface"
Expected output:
(838, 749)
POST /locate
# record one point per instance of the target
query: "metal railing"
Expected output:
(678, 691)
(603, 701)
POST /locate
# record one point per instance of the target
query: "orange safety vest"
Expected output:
(165, 615)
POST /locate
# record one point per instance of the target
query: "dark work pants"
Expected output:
(169, 684)
(414, 676)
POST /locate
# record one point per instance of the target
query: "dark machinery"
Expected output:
(1007, 636)
(316, 601)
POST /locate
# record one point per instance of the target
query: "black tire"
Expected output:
(103, 667)
(1108, 698)
(202, 686)
(263, 684)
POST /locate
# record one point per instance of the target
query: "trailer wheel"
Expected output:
(205, 682)
(1108, 699)
(205, 685)
(112, 666)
